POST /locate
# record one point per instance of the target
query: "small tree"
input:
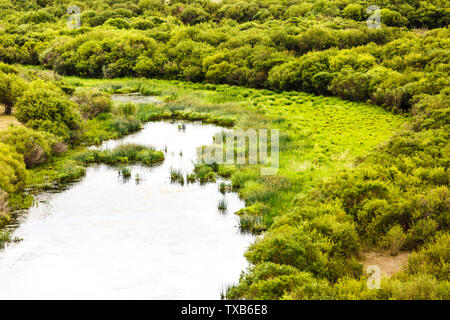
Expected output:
(11, 89)
(45, 107)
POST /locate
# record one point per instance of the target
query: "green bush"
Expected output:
(394, 239)
(12, 169)
(393, 18)
(433, 259)
(292, 246)
(3, 208)
(354, 11)
(91, 103)
(270, 281)
(126, 153)
(11, 88)
(34, 146)
(118, 23)
(43, 106)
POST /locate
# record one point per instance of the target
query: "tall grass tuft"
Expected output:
(176, 176)
(223, 205)
(126, 153)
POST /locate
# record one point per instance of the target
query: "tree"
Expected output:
(353, 11)
(45, 107)
(11, 88)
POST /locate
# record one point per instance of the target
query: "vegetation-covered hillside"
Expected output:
(319, 218)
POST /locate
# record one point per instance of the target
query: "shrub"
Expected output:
(433, 259)
(353, 11)
(11, 88)
(394, 239)
(3, 206)
(118, 23)
(35, 146)
(45, 107)
(393, 18)
(292, 246)
(126, 153)
(91, 103)
(273, 281)
(12, 169)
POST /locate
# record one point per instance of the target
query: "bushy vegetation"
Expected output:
(44, 107)
(34, 146)
(338, 189)
(91, 103)
(12, 169)
(314, 46)
(127, 153)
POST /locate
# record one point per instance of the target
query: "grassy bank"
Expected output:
(319, 135)
(312, 239)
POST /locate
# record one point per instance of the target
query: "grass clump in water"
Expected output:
(126, 173)
(176, 176)
(223, 205)
(205, 173)
(224, 187)
(127, 153)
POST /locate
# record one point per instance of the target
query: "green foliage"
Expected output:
(394, 239)
(396, 196)
(11, 88)
(177, 176)
(12, 169)
(44, 107)
(205, 172)
(127, 153)
(433, 259)
(354, 11)
(34, 146)
(91, 103)
(127, 109)
(270, 281)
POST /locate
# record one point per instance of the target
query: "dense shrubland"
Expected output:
(395, 198)
(295, 45)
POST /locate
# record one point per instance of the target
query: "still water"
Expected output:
(110, 238)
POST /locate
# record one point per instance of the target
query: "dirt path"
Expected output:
(5, 120)
(388, 264)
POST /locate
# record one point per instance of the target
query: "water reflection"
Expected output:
(138, 238)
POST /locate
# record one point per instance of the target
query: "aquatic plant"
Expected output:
(126, 153)
(125, 173)
(222, 205)
(176, 176)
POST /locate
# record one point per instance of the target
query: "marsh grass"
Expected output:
(225, 187)
(190, 178)
(176, 176)
(252, 224)
(125, 173)
(205, 173)
(222, 205)
(126, 153)
(5, 237)
(318, 135)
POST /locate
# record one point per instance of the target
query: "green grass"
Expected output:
(127, 153)
(318, 135)
(176, 176)
(222, 205)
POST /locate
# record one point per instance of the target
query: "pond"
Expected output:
(110, 238)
